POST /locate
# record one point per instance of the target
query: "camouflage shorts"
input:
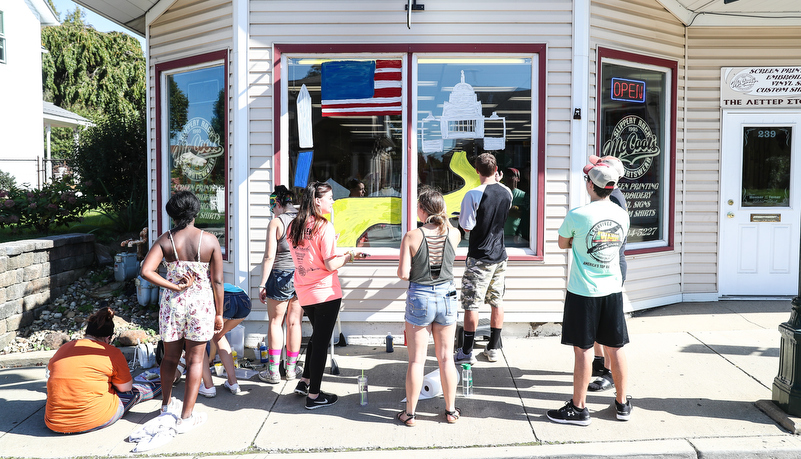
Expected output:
(483, 283)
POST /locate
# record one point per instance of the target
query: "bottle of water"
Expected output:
(236, 360)
(362, 380)
(467, 380)
(263, 354)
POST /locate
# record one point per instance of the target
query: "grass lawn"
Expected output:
(93, 222)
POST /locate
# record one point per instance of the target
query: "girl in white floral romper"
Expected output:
(191, 306)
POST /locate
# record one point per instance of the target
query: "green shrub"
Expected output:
(55, 204)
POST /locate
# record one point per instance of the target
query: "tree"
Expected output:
(111, 159)
(90, 73)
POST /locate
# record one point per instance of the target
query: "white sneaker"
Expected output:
(492, 354)
(234, 388)
(174, 407)
(208, 392)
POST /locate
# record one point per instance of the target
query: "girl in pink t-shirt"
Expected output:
(313, 245)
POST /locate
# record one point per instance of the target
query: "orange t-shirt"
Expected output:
(79, 392)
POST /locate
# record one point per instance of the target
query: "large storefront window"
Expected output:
(466, 106)
(635, 124)
(345, 128)
(351, 122)
(194, 126)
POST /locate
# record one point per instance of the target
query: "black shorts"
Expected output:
(588, 320)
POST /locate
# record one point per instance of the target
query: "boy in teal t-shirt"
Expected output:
(594, 303)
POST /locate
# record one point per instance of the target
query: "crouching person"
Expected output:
(90, 386)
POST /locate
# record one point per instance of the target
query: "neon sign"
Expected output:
(628, 90)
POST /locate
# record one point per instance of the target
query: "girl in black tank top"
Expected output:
(426, 261)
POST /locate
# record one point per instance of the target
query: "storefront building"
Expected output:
(702, 108)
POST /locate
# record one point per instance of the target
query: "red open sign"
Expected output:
(628, 90)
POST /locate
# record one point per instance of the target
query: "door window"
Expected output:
(766, 166)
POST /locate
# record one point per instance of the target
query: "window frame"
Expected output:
(162, 70)
(3, 52)
(410, 52)
(670, 68)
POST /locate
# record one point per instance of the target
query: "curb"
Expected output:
(769, 407)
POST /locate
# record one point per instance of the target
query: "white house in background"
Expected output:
(21, 138)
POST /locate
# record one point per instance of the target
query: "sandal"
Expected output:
(194, 420)
(605, 382)
(409, 421)
(453, 416)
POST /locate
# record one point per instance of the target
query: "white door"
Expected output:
(760, 204)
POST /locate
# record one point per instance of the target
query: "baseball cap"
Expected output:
(613, 161)
(602, 175)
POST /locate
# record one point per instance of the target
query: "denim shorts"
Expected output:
(236, 305)
(280, 285)
(426, 304)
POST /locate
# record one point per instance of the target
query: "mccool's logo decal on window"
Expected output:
(634, 144)
(198, 149)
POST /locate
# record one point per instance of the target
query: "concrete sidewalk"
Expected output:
(696, 369)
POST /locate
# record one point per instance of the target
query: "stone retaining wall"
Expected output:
(36, 271)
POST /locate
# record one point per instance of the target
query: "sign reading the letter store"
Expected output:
(750, 87)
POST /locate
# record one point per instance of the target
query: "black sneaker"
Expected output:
(569, 414)
(623, 411)
(302, 388)
(598, 366)
(322, 400)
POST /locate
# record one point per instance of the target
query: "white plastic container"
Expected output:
(236, 338)
(252, 340)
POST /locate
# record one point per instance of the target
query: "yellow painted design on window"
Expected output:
(354, 216)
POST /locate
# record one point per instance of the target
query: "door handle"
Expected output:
(730, 215)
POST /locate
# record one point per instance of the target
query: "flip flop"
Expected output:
(409, 421)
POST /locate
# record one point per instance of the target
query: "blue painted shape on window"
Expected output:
(303, 169)
(348, 80)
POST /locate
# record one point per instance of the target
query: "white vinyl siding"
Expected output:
(710, 49)
(190, 28)
(644, 27)
(371, 289)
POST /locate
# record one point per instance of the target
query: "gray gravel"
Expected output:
(64, 319)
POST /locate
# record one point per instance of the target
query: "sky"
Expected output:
(100, 23)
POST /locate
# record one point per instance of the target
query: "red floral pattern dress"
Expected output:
(188, 314)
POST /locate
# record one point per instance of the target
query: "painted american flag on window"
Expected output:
(361, 88)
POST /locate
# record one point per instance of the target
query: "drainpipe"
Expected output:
(579, 132)
(684, 166)
(241, 154)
